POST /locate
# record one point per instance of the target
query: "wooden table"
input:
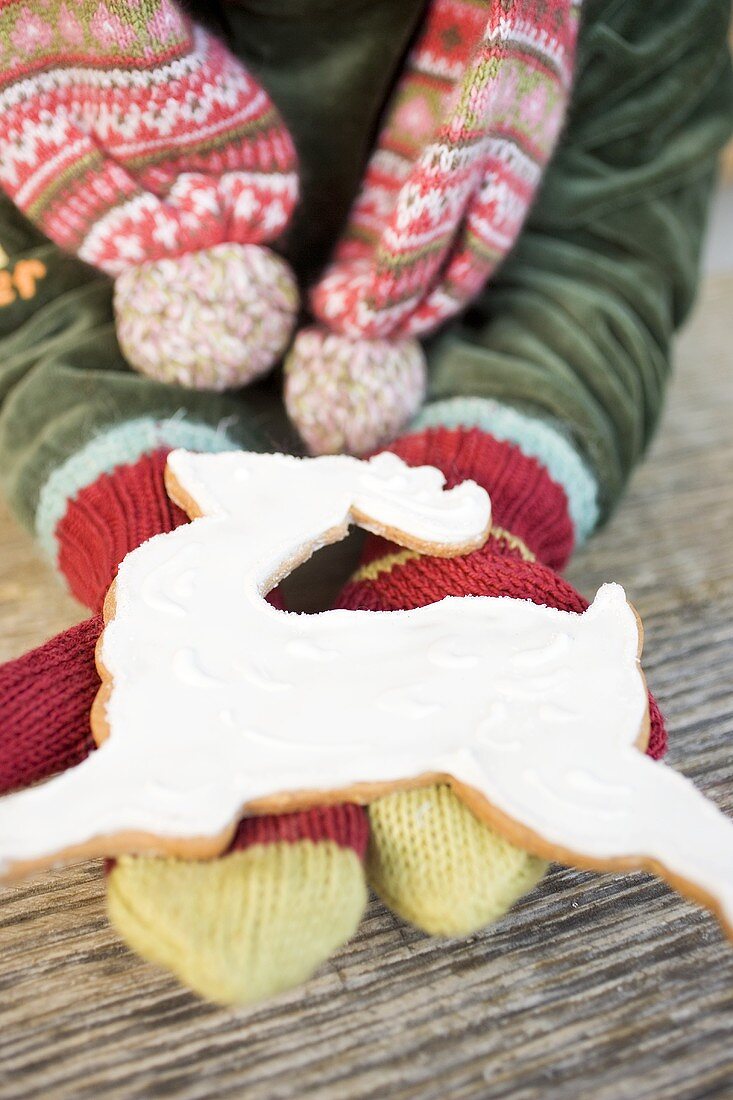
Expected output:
(595, 986)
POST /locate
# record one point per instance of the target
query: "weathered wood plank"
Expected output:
(602, 986)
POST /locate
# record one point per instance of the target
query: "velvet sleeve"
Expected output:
(70, 406)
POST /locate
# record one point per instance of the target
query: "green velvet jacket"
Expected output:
(575, 329)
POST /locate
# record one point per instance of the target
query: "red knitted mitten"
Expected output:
(110, 517)
(429, 857)
(313, 858)
(287, 893)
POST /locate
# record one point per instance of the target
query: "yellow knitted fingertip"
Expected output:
(436, 865)
(245, 926)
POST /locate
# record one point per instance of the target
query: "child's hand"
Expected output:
(291, 888)
(288, 892)
(429, 858)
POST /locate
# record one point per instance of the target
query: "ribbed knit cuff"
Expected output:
(526, 502)
(110, 517)
(537, 439)
(120, 445)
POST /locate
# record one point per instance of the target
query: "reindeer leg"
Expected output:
(680, 834)
(75, 814)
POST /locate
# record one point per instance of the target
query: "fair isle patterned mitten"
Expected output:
(132, 138)
(290, 890)
(429, 858)
(473, 120)
(138, 142)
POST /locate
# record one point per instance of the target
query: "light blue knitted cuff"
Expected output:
(535, 437)
(117, 446)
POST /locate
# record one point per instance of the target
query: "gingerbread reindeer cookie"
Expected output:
(214, 703)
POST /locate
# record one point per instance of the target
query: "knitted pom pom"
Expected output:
(210, 320)
(352, 395)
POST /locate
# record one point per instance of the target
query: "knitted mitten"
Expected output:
(288, 892)
(291, 888)
(429, 858)
(133, 138)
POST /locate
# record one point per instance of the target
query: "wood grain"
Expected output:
(595, 986)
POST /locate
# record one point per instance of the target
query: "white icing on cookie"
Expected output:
(219, 700)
